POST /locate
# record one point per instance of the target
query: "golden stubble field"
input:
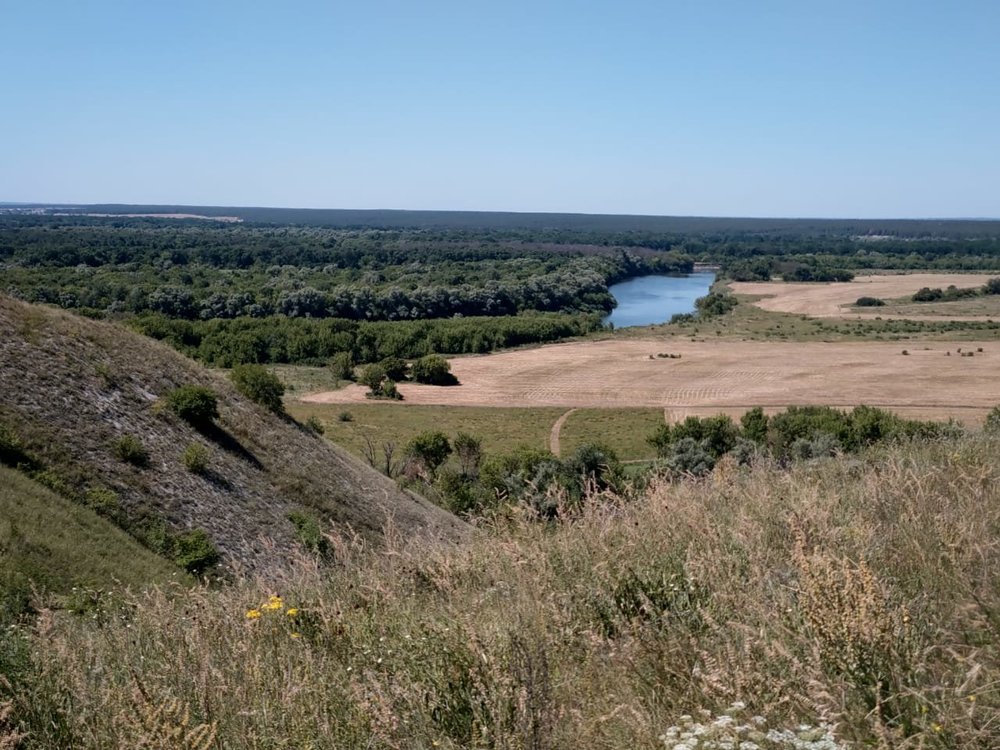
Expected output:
(721, 376)
(931, 381)
(835, 300)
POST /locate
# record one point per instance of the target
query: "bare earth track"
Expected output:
(721, 376)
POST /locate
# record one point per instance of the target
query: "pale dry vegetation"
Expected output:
(859, 593)
(89, 401)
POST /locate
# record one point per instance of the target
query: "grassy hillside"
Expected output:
(73, 389)
(862, 594)
(54, 544)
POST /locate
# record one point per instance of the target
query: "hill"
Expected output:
(74, 390)
(55, 544)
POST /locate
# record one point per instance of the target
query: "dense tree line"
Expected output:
(225, 343)
(206, 273)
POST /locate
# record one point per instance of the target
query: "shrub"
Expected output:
(309, 534)
(433, 370)
(194, 551)
(129, 448)
(754, 425)
(260, 386)
(592, 466)
(926, 294)
(12, 450)
(869, 302)
(195, 404)
(341, 366)
(992, 286)
(372, 376)
(716, 434)
(714, 304)
(196, 458)
(345, 416)
(394, 368)
(821, 445)
(430, 449)
(387, 390)
(314, 425)
(105, 503)
(688, 456)
(992, 423)
(469, 451)
(458, 492)
(806, 422)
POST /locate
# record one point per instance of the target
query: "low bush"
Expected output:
(341, 366)
(992, 424)
(433, 370)
(196, 458)
(195, 404)
(260, 386)
(194, 551)
(12, 450)
(869, 302)
(129, 448)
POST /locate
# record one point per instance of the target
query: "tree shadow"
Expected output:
(229, 444)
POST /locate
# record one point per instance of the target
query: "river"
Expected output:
(646, 300)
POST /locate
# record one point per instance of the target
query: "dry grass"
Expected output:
(836, 300)
(717, 375)
(72, 387)
(863, 593)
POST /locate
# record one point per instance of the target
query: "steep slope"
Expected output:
(71, 387)
(52, 543)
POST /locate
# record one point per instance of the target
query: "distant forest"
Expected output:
(362, 267)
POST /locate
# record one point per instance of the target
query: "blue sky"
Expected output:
(678, 107)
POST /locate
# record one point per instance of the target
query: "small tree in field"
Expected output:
(372, 377)
(342, 366)
(433, 370)
(430, 449)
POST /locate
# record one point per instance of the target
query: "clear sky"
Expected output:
(839, 108)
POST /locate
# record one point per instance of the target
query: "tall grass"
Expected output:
(863, 595)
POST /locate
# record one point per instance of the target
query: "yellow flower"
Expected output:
(273, 603)
(253, 614)
(296, 635)
(292, 612)
(935, 726)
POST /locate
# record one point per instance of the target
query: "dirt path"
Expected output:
(717, 376)
(556, 429)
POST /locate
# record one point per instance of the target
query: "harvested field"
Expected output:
(834, 300)
(725, 375)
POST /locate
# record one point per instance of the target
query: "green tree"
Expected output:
(341, 366)
(433, 369)
(372, 377)
(430, 449)
(754, 425)
(469, 452)
(260, 386)
(395, 368)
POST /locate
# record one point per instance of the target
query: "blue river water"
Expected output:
(647, 300)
